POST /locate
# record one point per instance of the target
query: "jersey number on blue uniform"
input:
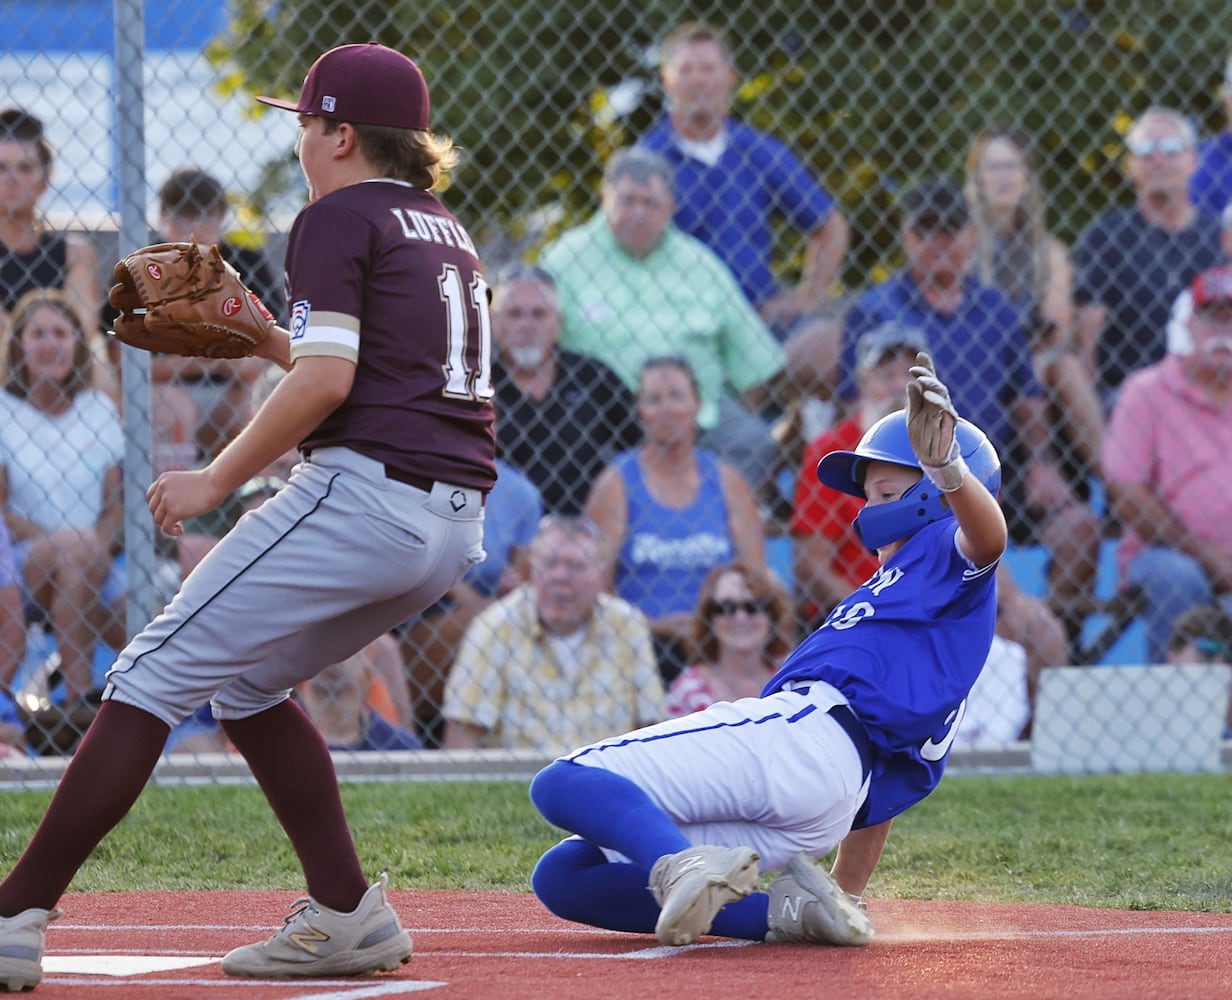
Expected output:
(462, 382)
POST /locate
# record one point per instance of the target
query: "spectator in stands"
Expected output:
(1130, 263)
(671, 510)
(31, 254)
(1210, 188)
(61, 444)
(732, 184)
(1166, 464)
(556, 659)
(1179, 339)
(980, 349)
(998, 707)
(337, 698)
(633, 286)
(1016, 254)
(430, 642)
(830, 560)
(193, 206)
(742, 631)
(563, 416)
(1203, 634)
(732, 179)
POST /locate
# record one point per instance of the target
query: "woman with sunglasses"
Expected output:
(742, 632)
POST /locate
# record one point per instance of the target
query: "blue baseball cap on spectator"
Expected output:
(936, 205)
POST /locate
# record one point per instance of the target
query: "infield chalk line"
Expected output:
(906, 935)
(1018, 934)
(334, 990)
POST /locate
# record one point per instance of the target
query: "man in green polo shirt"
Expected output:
(632, 286)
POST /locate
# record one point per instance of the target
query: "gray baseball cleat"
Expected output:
(691, 886)
(808, 907)
(21, 949)
(317, 941)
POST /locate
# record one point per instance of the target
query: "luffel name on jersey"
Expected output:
(433, 229)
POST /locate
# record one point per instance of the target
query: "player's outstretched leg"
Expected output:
(808, 907)
(692, 885)
(21, 949)
(317, 941)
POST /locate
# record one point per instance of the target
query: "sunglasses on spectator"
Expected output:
(726, 609)
(1169, 145)
(1212, 650)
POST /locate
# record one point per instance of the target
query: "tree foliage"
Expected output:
(872, 93)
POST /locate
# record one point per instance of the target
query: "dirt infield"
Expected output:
(504, 946)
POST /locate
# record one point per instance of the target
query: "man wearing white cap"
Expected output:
(1180, 340)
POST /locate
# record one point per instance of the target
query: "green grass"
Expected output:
(1135, 842)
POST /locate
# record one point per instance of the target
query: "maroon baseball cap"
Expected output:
(1211, 287)
(365, 85)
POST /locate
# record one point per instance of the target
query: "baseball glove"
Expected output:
(183, 298)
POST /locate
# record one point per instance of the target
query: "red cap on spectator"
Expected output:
(365, 85)
(1212, 286)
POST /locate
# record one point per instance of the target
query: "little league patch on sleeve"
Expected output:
(300, 311)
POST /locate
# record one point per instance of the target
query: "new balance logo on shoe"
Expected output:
(691, 887)
(309, 938)
(808, 907)
(317, 941)
(791, 908)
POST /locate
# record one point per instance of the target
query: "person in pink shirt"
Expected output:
(1168, 472)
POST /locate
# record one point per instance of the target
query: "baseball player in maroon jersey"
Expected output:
(387, 396)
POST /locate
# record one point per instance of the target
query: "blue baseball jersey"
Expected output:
(905, 649)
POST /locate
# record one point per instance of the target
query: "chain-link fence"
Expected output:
(1025, 190)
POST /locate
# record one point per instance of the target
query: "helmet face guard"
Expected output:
(882, 523)
(887, 441)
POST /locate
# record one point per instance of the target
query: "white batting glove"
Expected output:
(931, 423)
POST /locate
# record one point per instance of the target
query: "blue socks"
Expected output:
(607, 810)
(575, 881)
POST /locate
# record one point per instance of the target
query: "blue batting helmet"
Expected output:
(888, 441)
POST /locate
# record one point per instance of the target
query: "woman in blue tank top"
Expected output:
(669, 510)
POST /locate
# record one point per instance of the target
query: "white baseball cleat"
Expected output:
(317, 941)
(691, 886)
(808, 906)
(21, 949)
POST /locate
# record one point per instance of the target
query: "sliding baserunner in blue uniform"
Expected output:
(673, 824)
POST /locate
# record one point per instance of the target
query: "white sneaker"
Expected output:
(21, 949)
(691, 886)
(808, 906)
(317, 941)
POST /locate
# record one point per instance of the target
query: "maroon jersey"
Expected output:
(381, 273)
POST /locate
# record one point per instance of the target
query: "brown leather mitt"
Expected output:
(183, 298)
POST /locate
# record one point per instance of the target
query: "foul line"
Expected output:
(334, 991)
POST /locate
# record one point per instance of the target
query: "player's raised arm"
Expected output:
(931, 426)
